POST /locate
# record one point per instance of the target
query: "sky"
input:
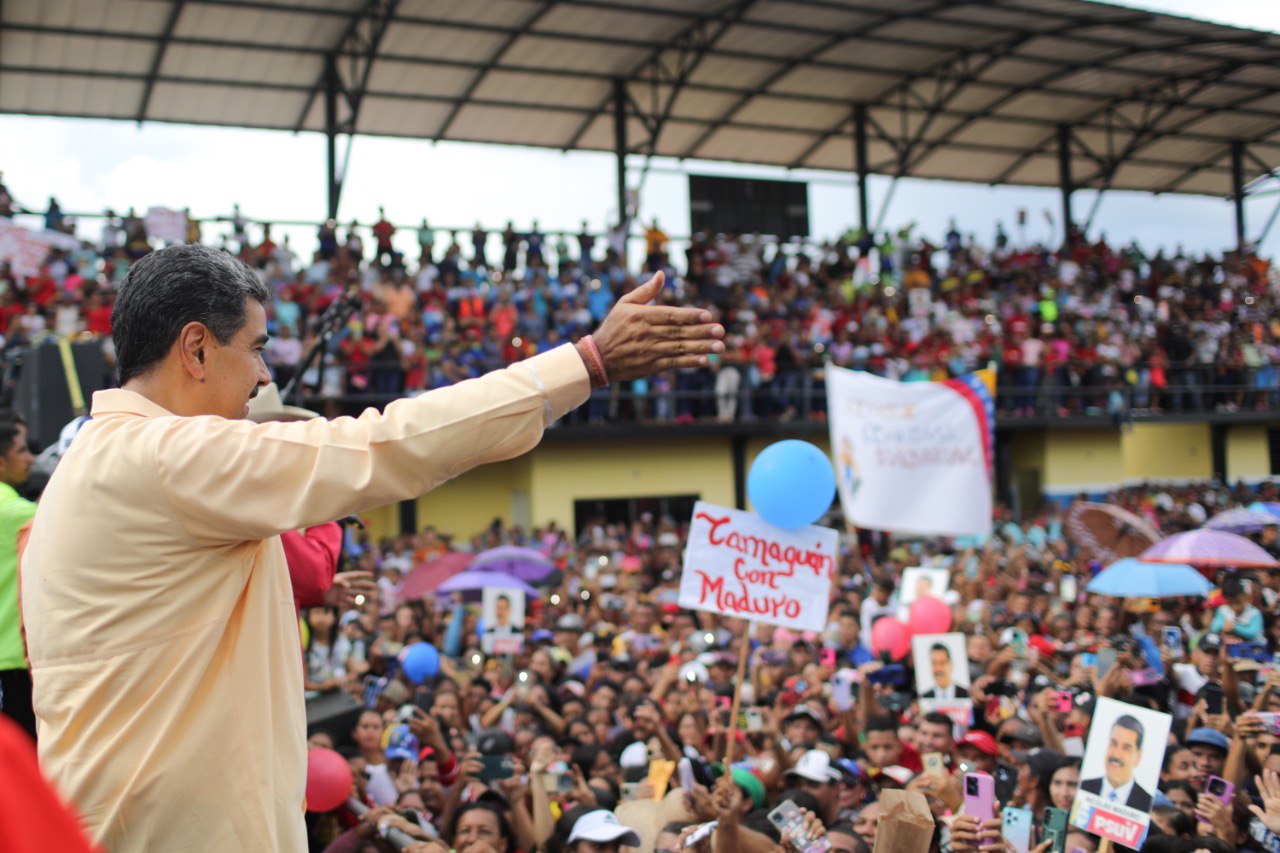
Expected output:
(90, 165)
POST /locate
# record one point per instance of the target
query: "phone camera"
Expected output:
(971, 787)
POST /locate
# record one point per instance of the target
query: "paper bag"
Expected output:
(906, 824)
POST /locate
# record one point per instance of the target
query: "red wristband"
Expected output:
(593, 352)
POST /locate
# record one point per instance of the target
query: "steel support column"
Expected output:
(620, 147)
(331, 135)
(1237, 191)
(860, 163)
(1065, 180)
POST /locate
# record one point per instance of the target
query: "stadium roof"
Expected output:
(971, 91)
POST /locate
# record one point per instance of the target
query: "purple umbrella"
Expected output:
(471, 582)
(1209, 549)
(1241, 520)
(524, 563)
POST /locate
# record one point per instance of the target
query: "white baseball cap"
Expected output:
(815, 765)
(601, 826)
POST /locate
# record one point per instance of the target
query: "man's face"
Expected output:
(803, 730)
(935, 737)
(940, 663)
(825, 793)
(429, 787)
(16, 464)
(235, 371)
(1207, 662)
(1183, 766)
(502, 611)
(976, 757)
(866, 822)
(1209, 760)
(883, 749)
(1123, 756)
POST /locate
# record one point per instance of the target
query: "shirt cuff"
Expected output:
(562, 380)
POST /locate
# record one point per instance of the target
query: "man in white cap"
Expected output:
(600, 832)
(814, 773)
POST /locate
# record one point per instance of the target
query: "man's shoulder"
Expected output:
(1093, 786)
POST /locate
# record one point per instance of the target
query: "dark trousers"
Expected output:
(15, 698)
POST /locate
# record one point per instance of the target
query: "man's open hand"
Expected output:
(637, 339)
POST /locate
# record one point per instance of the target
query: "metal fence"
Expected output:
(737, 395)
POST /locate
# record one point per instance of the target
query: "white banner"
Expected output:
(167, 225)
(739, 565)
(913, 457)
(26, 250)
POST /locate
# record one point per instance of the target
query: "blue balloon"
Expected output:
(421, 662)
(791, 484)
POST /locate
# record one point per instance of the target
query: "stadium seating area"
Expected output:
(1086, 329)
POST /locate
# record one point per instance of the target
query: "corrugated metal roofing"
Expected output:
(971, 91)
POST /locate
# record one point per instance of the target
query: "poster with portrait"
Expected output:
(502, 611)
(1120, 772)
(942, 675)
(920, 581)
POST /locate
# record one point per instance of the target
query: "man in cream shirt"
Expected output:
(159, 615)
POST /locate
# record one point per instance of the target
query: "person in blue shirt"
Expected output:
(1237, 617)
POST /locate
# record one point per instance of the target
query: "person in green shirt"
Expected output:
(15, 511)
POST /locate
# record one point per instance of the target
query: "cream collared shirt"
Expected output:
(159, 616)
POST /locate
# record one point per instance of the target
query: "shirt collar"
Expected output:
(1122, 793)
(8, 493)
(118, 401)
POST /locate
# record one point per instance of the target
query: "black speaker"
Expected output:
(41, 393)
(741, 206)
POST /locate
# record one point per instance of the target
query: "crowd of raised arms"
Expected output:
(615, 678)
(1087, 328)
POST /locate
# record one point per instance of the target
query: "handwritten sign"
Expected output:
(166, 224)
(737, 564)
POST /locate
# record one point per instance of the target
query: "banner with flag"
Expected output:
(913, 457)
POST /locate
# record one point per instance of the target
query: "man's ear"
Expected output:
(193, 341)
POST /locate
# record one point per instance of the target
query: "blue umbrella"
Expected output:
(1270, 506)
(1242, 520)
(1132, 578)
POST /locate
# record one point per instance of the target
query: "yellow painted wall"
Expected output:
(1167, 452)
(563, 473)
(1248, 453)
(1081, 460)
(382, 522)
(468, 504)
(548, 481)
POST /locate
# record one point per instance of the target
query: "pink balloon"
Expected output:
(328, 780)
(930, 615)
(888, 634)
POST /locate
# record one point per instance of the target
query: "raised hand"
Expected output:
(348, 585)
(637, 339)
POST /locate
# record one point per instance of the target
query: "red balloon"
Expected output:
(930, 615)
(328, 780)
(888, 634)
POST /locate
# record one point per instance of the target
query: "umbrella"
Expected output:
(1242, 520)
(471, 582)
(1132, 578)
(1271, 507)
(1108, 533)
(526, 564)
(1210, 549)
(424, 580)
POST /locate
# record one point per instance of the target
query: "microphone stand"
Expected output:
(331, 322)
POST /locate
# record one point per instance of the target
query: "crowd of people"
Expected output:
(616, 684)
(1088, 328)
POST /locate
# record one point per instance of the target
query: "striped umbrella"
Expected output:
(1209, 549)
(1242, 520)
